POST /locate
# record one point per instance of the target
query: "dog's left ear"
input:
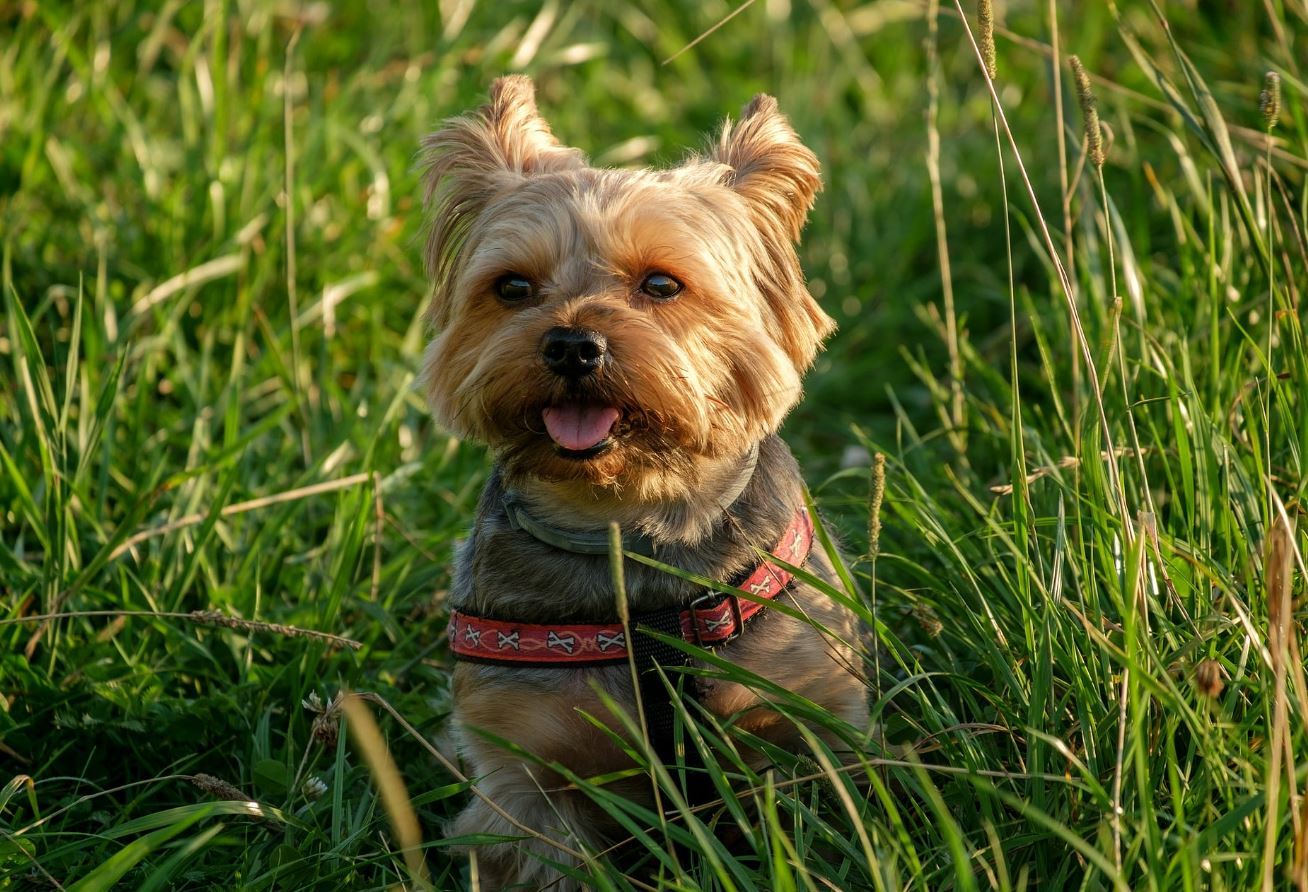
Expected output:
(778, 177)
(769, 166)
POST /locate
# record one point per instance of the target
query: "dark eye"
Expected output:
(514, 288)
(660, 286)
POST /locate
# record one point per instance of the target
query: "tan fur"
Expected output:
(700, 382)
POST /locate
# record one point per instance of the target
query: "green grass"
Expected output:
(1041, 724)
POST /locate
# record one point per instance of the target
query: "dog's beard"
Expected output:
(656, 430)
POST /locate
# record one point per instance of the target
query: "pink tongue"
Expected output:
(579, 427)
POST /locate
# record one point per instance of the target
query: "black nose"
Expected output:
(573, 352)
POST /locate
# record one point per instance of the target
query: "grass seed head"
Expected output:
(877, 494)
(1208, 678)
(1278, 566)
(1094, 137)
(1269, 100)
(218, 788)
(927, 618)
(807, 766)
(985, 17)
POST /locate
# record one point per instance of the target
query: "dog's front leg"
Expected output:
(548, 835)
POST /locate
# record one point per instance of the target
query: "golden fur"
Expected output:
(699, 382)
(719, 368)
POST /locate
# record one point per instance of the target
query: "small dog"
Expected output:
(627, 343)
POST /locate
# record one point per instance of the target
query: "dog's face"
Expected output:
(611, 325)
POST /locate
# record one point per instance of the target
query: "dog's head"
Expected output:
(600, 325)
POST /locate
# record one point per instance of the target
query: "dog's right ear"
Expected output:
(474, 157)
(505, 138)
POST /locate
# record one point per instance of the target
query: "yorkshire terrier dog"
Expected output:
(627, 343)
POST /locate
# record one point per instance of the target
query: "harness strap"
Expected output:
(649, 653)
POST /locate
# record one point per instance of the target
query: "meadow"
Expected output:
(1061, 432)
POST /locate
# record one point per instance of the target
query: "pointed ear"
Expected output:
(769, 166)
(778, 177)
(474, 157)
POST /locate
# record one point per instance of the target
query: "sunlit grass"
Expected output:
(1090, 668)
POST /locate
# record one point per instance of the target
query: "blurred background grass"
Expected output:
(209, 219)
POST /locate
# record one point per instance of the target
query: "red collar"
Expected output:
(499, 641)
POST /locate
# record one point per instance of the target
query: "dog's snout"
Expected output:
(573, 352)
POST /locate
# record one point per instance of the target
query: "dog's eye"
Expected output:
(660, 286)
(514, 288)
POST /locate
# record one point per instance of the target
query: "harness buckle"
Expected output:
(737, 618)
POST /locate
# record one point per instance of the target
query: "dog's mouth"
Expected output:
(580, 430)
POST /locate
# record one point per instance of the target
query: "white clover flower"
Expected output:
(314, 787)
